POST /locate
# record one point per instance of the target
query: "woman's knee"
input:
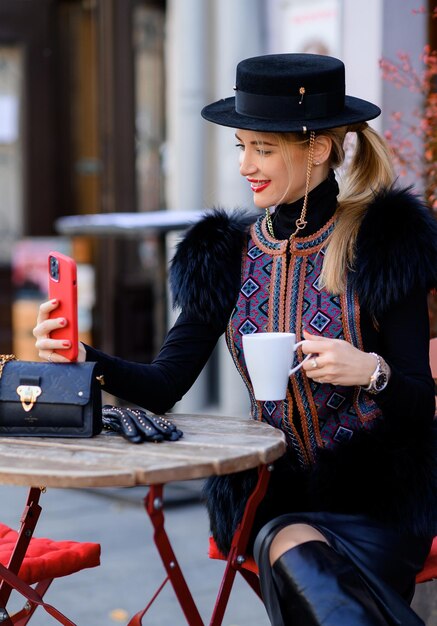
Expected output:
(292, 536)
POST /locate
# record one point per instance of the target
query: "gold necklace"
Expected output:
(269, 223)
(300, 222)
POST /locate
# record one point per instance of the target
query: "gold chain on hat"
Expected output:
(300, 222)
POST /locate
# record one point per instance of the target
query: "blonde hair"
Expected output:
(370, 169)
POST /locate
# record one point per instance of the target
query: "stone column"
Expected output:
(238, 34)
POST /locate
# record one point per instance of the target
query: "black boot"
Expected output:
(318, 586)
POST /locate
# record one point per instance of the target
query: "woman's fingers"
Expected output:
(307, 335)
(44, 324)
(315, 345)
(52, 357)
(43, 329)
(44, 310)
(46, 349)
(45, 345)
(323, 365)
(315, 367)
(336, 361)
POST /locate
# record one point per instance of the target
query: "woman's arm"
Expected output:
(159, 385)
(404, 344)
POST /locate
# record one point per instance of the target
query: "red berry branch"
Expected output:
(413, 140)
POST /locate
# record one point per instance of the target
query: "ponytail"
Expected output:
(370, 170)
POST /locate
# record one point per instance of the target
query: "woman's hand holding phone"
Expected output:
(46, 323)
(56, 331)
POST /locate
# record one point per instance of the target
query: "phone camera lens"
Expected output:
(54, 268)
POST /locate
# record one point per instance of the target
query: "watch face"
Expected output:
(380, 381)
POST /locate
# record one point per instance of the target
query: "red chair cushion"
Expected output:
(428, 573)
(214, 553)
(430, 568)
(46, 559)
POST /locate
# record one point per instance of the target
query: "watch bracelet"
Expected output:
(374, 373)
(382, 368)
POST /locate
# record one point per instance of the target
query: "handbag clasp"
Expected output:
(28, 395)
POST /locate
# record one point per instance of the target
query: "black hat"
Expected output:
(290, 92)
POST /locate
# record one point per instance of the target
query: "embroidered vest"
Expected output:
(280, 292)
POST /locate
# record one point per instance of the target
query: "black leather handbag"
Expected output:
(39, 399)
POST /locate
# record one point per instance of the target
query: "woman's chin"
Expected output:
(260, 202)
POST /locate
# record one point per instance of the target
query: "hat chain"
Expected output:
(301, 221)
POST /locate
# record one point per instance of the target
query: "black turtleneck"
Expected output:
(322, 204)
(402, 338)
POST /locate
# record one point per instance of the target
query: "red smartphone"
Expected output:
(63, 287)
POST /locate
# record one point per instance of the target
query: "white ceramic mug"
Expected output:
(269, 357)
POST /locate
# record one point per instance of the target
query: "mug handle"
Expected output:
(308, 356)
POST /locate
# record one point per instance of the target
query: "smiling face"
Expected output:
(276, 174)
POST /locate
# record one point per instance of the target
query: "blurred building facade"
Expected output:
(99, 112)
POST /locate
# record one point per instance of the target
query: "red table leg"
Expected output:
(154, 506)
(239, 545)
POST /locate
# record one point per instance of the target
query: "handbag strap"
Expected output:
(5, 358)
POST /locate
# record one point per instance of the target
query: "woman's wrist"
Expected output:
(369, 368)
(380, 376)
(82, 353)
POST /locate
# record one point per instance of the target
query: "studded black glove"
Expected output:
(137, 426)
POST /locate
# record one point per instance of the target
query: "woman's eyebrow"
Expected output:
(257, 143)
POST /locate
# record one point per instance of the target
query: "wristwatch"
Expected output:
(380, 377)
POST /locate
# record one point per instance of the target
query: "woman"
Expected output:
(351, 508)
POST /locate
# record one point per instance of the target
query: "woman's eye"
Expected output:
(259, 151)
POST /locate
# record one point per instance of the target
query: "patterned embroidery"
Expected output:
(284, 294)
(335, 400)
(320, 321)
(247, 328)
(249, 288)
(254, 253)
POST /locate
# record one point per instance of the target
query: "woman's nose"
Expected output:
(247, 166)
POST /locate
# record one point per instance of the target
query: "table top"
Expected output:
(210, 445)
(127, 224)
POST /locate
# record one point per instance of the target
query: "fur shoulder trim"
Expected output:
(205, 271)
(396, 250)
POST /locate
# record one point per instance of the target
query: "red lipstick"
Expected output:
(258, 185)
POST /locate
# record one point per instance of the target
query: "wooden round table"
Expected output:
(211, 445)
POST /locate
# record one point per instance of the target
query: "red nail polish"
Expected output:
(62, 322)
(54, 301)
(66, 344)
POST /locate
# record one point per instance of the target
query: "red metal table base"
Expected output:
(154, 506)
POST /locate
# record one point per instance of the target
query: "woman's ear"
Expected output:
(322, 149)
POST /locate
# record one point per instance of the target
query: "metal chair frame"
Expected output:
(9, 575)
